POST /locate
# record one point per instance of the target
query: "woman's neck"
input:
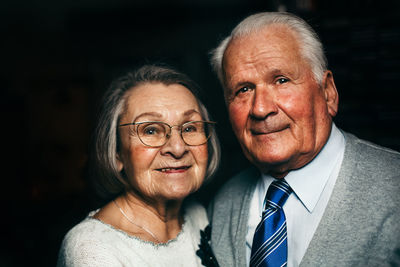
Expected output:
(162, 220)
(164, 210)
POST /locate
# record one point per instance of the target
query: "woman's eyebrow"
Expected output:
(190, 112)
(145, 114)
(158, 115)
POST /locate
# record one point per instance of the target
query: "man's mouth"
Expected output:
(266, 131)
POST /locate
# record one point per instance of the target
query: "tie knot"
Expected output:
(277, 194)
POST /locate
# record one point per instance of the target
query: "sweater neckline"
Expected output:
(132, 237)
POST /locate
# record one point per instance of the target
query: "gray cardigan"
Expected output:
(361, 223)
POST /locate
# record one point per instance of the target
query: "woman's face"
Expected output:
(174, 170)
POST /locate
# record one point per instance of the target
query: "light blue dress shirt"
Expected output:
(312, 186)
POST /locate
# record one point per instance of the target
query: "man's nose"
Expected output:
(263, 103)
(175, 146)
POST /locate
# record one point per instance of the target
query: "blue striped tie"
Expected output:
(270, 243)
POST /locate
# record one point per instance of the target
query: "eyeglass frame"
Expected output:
(168, 135)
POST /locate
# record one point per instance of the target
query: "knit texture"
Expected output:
(94, 243)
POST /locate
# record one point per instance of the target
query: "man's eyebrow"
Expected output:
(281, 71)
(236, 81)
(242, 84)
(276, 71)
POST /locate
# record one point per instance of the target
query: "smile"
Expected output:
(263, 132)
(173, 169)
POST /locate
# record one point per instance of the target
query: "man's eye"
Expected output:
(242, 90)
(282, 80)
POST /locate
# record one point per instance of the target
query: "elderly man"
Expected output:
(318, 196)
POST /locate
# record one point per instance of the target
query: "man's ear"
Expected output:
(120, 164)
(331, 94)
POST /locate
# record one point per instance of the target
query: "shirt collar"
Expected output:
(309, 181)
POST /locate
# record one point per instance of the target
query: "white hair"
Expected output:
(310, 45)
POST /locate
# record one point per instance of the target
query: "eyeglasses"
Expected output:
(157, 133)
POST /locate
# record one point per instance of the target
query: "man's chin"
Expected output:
(274, 165)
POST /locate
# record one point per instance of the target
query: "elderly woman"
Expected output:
(155, 146)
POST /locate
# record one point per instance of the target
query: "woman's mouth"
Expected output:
(173, 169)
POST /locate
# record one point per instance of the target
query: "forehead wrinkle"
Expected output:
(255, 71)
(261, 60)
(150, 114)
(242, 75)
(190, 112)
(292, 73)
(185, 114)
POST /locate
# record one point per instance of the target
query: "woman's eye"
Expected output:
(190, 128)
(150, 131)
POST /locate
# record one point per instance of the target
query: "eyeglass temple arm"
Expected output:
(133, 123)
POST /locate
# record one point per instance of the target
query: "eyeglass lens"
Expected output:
(157, 133)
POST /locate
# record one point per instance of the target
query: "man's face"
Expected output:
(280, 114)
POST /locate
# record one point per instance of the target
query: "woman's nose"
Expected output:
(175, 146)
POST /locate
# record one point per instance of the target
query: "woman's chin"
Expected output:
(178, 193)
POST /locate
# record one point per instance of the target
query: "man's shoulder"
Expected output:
(228, 213)
(236, 190)
(372, 171)
(372, 147)
(371, 156)
(239, 182)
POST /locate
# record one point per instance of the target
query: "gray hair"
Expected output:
(107, 179)
(310, 44)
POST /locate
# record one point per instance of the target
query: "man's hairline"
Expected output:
(254, 31)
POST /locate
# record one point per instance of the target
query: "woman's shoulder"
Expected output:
(195, 214)
(86, 241)
(86, 229)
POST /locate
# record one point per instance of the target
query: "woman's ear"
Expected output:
(331, 94)
(120, 164)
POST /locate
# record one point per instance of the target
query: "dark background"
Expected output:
(58, 57)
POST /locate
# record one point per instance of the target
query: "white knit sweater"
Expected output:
(94, 243)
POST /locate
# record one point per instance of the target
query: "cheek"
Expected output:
(201, 157)
(238, 113)
(138, 160)
(298, 106)
(305, 110)
(198, 173)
